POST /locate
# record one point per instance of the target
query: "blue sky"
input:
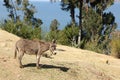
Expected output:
(42, 0)
(115, 9)
(53, 11)
(38, 0)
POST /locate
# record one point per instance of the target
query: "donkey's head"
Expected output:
(52, 47)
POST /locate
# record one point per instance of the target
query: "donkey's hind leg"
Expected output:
(21, 54)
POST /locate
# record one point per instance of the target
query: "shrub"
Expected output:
(9, 26)
(91, 46)
(36, 33)
(115, 47)
(22, 30)
(52, 35)
(66, 36)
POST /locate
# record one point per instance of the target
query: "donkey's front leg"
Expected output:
(38, 60)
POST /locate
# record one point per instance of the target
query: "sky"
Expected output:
(38, 0)
(115, 9)
(41, 0)
(47, 12)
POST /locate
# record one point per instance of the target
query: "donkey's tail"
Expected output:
(15, 54)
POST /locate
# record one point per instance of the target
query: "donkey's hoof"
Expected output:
(39, 67)
(21, 66)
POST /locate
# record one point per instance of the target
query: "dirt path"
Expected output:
(69, 64)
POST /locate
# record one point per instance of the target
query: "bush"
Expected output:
(115, 47)
(66, 36)
(22, 30)
(52, 35)
(9, 26)
(91, 46)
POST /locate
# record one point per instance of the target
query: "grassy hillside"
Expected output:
(69, 64)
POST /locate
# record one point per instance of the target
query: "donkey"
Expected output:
(34, 47)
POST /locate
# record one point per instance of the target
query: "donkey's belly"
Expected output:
(31, 51)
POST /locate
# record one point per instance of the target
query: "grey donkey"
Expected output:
(34, 47)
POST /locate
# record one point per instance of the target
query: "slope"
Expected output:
(69, 64)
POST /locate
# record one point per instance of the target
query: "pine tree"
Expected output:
(54, 32)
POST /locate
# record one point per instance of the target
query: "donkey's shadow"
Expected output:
(46, 66)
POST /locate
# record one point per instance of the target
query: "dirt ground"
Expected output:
(69, 64)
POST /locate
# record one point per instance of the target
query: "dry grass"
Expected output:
(69, 64)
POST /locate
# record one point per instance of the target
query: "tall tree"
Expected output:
(80, 5)
(69, 5)
(53, 34)
(92, 20)
(9, 4)
(54, 25)
(27, 23)
(24, 6)
(98, 25)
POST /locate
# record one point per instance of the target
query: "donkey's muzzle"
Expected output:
(55, 52)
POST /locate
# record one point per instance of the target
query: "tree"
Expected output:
(29, 24)
(11, 9)
(54, 25)
(68, 35)
(54, 32)
(98, 25)
(80, 5)
(69, 5)
(95, 26)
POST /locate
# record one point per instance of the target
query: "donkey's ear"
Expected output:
(53, 41)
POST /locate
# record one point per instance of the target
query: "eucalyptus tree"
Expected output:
(25, 23)
(98, 25)
(69, 5)
(9, 4)
(95, 25)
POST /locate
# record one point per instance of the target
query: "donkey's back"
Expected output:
(27, 46)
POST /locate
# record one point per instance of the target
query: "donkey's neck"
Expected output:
(45, 47)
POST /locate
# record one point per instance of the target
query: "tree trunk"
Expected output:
(15, 12)
(80, 22)
(72, 12)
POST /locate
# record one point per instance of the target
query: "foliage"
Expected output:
(69, 5)
(54, 25)
(54, 32)
(21, 29)
(68, 35)
(52, 35)
(95, 26)
(65, 37)
(9, 4)
(97, 31)
(24, 25)
(115, 47)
